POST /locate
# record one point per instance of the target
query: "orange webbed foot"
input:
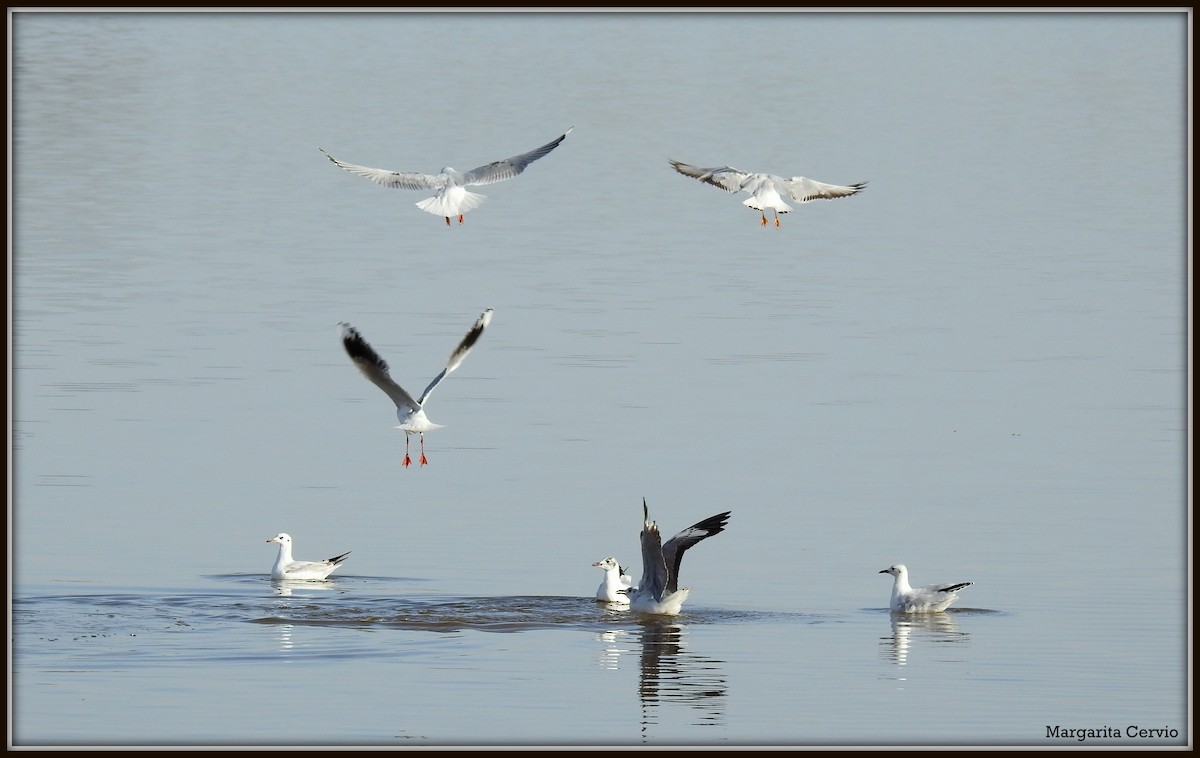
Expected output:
(423, 461)
(407, 460)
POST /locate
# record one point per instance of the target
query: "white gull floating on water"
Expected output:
(451, 196)
(928, 599)
(616, 582)
(411, 413)
(659, 590)
(767, 190)
(287, 567)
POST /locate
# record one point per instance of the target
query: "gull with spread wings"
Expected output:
(451, 196)
(411, 413)
(767, 190)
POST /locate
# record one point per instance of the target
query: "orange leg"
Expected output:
(407, 459)
(423, 460)
(447, 221)
(460, 218)
(764, 221)
(776, 219)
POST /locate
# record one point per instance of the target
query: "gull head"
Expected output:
(607, 563)
(282, 538)
(896, 570)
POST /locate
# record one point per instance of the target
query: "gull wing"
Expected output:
(654, 567)
(802, 190)
(498, 171)
(673, 551)
(460, 352)
(726, 177)
(386, 178)
(949, 587)
(335, 560)
(374, 368)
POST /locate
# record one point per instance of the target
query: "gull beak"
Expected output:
(597, 563)
(884, 571)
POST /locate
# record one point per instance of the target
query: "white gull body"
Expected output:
(451, 197)
(287, 567)
(928, 599)
(616, 582)
(411, 413)
(659, 590)
(767, 190)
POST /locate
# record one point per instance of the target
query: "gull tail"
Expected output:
(440, 205)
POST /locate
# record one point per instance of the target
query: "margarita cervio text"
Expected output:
(1109, 733)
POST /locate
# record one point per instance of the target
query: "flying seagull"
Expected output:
(411, 413)
(659, 590)
(451, 196)
(767, 190)
(616, 582)
(908, 599)
(288, 568)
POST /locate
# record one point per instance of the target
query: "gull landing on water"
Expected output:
(659, 590)
(451, 196)
(288, 568)
(411, 413)
(928, 599)
(767, 190)
(616, 582)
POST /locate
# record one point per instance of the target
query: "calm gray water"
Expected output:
(977, 366)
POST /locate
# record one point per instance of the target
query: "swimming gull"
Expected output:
(931, 598)
(659, 590)
(451, 197)
(287, 567)
(411, 413)
(616, 582)
(767, 190)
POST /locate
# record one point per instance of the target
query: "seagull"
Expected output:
(767, 190)
(616, 582)
(287, 568)
(411, 413)
(659, 590)
(928, 599)
(452, 197)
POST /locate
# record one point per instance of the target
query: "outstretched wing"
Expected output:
(386, 178)
(498, 171)
(460, 352)
(802, 190)
(654, 567)
(374, 368)
(675, 547)
(727, 178)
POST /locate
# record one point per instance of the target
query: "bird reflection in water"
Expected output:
(285, 638)
(671, 674)
(907, 628)
(285, 587)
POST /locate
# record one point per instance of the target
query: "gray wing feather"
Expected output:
(726, 177)
(675, 547)
(374, 367)
(803, 190)
(460, 352)
(654, 567)
(498, 171)
(950, 587)
(397, 179)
